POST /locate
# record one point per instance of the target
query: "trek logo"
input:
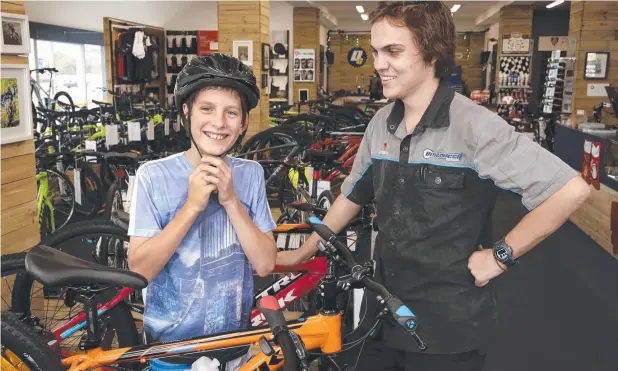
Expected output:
(428, 153)
(384, 150)
(282, 283)
(283, 302)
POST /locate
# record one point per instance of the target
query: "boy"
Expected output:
(200, 221)
(432, 161)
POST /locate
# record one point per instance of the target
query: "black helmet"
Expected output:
(216, 70)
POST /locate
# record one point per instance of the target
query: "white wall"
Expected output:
(88, 15)
(282, 19)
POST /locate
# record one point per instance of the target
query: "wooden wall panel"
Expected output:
(20, 229)
(307, 36)
(594, 25)
(468, 49)
(513, 18)
(247, 20)
(345, 76)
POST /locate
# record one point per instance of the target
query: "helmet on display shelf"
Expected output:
(216, 70)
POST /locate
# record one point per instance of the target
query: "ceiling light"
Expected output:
(455, 8)
(555, 3)
(360, 9)
(364, 17)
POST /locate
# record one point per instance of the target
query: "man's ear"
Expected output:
(185, 109)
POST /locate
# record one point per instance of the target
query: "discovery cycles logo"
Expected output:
(357, 57)
(428, 153)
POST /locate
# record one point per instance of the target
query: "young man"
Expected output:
(434, 160)
(200, 221)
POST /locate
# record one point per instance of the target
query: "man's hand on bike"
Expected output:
(199, 189)
(220, 175)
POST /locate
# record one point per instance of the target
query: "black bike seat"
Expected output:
(130, 155)
(99, 103)
(311, 155)
(53, 267)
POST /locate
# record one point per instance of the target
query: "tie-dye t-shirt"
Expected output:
(207, 285)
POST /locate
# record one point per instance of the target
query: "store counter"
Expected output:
(598, 217)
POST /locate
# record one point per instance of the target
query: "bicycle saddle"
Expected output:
(130, 155)
(53, 267)
(324, 156)
(99, 103)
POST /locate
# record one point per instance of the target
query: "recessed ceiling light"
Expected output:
(364, 17)
(555, 3)
(360, 9)
(455, 8)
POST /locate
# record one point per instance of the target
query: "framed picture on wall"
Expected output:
(243, 50)
(15, 36)
(16, 115)
(596, 65)
(265, 57)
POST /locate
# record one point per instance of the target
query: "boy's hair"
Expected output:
(243, 102)
(432, 25)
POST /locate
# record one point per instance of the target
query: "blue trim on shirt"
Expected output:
(359, 178)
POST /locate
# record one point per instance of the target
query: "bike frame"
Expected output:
(43, 199)
(37, 88)
(317, 332)
(299, 281)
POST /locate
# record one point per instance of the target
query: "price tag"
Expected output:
(135, 134)
(553, 73)
(177, 124)
(166, 124)
(91, 145)
(77, 185)
(150, 131)
(111, 135)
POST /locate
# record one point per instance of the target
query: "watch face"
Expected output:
(502, 254)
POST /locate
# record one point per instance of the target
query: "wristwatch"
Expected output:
(504, 253)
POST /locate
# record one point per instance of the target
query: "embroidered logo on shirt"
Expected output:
(384, 150)
(428, 153)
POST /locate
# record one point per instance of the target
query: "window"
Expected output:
(80, 71)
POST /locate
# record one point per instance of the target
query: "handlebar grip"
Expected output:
(401, 313)
(323, 231)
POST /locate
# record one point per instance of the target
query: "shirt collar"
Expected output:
(436, 115)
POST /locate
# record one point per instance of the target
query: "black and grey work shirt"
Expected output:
(435, 189)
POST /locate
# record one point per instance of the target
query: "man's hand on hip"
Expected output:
(484, 266)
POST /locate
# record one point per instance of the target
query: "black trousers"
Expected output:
(374, 355)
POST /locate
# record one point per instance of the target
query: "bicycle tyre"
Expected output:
(59, 94)
(23, 341)
(113, 200)
(88, 176)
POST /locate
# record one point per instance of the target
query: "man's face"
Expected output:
(216, 121)
(398, 61)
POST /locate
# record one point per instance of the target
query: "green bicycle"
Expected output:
(55, 196)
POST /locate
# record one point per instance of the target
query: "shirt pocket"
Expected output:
(438, 178)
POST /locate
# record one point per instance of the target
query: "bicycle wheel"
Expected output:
(113, 200)
(63, 102)
(23, 349)
(91, 190)
(44, 307)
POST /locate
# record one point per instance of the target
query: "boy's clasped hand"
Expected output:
(211, 175)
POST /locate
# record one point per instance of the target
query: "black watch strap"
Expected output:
(504, 253)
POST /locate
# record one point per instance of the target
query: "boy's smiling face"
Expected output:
(216, 120)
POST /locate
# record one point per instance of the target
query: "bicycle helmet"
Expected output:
(216, 70)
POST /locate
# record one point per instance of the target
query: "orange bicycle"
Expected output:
(280, 344)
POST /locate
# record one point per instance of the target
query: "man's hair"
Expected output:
(431, 23)
(243, 101)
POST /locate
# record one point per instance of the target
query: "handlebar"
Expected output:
(398, 310)
(43, 70)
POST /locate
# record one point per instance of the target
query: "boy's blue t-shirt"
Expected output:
(207, 285)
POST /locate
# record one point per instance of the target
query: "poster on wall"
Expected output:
(515, 43)
(207, 42)
(549, 43)
(304, 65)
(16, 116)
